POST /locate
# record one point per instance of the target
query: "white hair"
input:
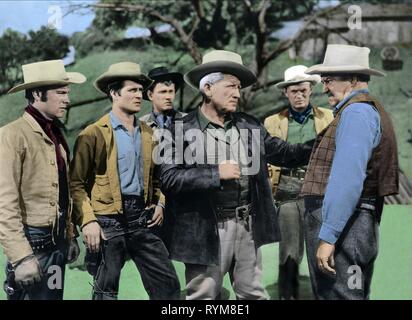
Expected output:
(210, 78)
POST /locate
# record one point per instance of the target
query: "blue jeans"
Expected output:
(52, 259)
(128, 236)
(355, 254)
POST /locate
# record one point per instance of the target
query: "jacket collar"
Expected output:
(317, 112)
(346, 99)
(104, 121)
(35, 125)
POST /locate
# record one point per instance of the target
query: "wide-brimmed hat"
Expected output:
(341, 58)
(122, 71)
(162, 74)
(223, 61)
(295, 75)
(47, 73)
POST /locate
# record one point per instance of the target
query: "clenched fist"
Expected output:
(229, 170)
(27, 272)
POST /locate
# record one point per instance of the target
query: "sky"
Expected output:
(27, 15)
(32, 14)
(291, 27)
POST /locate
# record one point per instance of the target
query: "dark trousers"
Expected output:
(52, 259)
(128, 236)
(355, 254)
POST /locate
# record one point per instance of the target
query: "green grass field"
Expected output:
(393, 269)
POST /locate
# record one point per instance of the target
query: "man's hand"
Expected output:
(92, 234)
(73, 252)
(229, 170)
(27, 272)
(324, 257)
(157, 218)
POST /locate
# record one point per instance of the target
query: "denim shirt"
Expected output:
(129, 160)
(357, 134)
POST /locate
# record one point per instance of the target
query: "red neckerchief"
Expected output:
(53, 132)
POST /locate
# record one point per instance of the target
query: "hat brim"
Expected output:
(103, 81)
(72, 78)
(245, 76)
(284, 84)
(321, 69)
(175, 77)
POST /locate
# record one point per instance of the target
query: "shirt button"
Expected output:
(52, 162)
(52, 203)
(54, 184)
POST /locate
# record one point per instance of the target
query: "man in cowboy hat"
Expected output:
(36, 230)
(298, 123)
(354, 164)
(162, 94)
(115, 201)
(217, 186)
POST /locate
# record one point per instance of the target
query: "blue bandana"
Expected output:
(164, 120)
(300, 117)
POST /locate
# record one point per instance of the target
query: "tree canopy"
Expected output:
(18, 48)
(196, 26)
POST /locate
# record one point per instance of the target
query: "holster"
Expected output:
(9, 286)
(92, 260)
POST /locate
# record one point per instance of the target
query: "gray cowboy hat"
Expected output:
(341, 58)
(223, 61)
(295, 75)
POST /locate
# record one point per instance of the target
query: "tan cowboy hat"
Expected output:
(122, 71)
(223, 61)
(46, 73)
(295, 75)
(341, 58)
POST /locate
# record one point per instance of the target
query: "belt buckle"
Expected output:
(300, 174)
(367, 203)
(242, 211)
(367, 206)
(8, 289)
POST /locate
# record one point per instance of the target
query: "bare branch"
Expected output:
(261, 35)
(200, 14)
(262, 14)
(248, 5)
(175, 62)
(184, 37)
(265, 85)
(198, 8)
(286, 44)
(194, 27)
(78, 8)
(191, 104)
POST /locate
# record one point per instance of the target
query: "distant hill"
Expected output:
(394, 91)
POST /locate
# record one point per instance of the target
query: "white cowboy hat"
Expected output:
(122, 71)
(46, 73)
(223, 61)
(341, 58)
(295, 75)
